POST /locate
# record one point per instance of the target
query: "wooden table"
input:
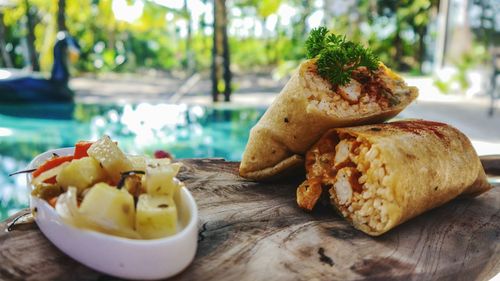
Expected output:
(255, 231)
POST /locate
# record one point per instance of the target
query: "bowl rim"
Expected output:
(193, 209)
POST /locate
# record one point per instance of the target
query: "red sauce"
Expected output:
(332, 172)
(354, 181)
(373, 87)
(314, 181)
(310, 160)
(345, 164)
(354, 147)
(313, 69)
(327, 143)
(326, 146)
(419, 127)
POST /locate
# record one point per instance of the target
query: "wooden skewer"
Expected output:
(22, 172)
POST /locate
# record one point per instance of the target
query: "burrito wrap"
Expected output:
(305, 109)
(379, 176)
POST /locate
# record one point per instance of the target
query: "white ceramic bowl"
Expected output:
(117, 256)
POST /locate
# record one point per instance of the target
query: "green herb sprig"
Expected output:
(338, 57)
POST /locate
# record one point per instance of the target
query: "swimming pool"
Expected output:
(185, 131)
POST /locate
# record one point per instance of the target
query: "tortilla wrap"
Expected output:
(379, 176)
(308, 106)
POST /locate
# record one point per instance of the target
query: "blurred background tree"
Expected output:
(177, 37)
(220, 53)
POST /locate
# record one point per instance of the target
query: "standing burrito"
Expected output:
(343, 84)
(379, 176)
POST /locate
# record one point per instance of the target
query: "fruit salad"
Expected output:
(102, 189)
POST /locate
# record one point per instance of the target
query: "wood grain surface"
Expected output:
(255, 231)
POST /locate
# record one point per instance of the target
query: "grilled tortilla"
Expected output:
(309, 105)
(379, 176)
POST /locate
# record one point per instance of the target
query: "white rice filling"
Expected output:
(368, 207)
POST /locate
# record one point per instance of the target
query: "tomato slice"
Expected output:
(51, 180)
(81, 148)
(51, 163)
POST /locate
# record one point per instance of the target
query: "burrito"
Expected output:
(309, 105)
(379, 176)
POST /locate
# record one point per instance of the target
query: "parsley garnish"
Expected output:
(338, 57)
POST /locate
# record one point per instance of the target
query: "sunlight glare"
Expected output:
(272, 22)
(175, 5)
(286, 13)
(125, 12)
(485, 148)
(197, 9)
(170, 16)
(4, 74)
(315, 19)
(151, 122)
(5, 132)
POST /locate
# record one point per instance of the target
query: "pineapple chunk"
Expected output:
(161, 162)
(138, 162)
(109, 207)
(111, 157)
(81, 173)
(160, 178)
(156, 216)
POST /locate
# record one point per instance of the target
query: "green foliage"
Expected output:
(442, 86)
(266, 8)
(463, 65)
(248, 53)
(316, 42)
(485, 24)
(393, 30)
(403, 48)
(202, 52)
(338, 57)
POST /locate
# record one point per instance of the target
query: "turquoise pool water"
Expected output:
(184, 131)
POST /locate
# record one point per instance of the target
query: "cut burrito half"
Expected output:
(309, 105)
(379, 176)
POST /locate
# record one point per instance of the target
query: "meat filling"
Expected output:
(366, 92)
(351, 92)
(342, 152)
(354, 181)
